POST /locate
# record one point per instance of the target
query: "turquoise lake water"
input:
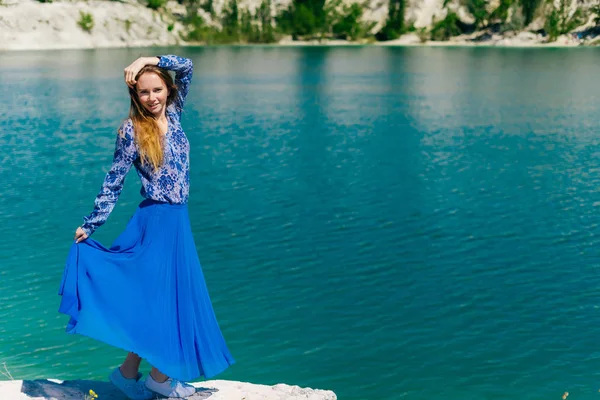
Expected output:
(386, 223)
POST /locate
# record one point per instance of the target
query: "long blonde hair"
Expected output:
(147, 134)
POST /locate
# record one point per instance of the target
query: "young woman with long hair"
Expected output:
(146, 293)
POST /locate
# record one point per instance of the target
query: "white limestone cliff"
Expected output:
(31, 25)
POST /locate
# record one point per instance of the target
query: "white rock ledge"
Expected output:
(50, 389)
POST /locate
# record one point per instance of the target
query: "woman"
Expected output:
(146, 293)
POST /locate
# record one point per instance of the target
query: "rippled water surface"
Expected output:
(386, 223)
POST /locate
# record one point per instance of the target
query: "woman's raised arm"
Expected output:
(184, 69)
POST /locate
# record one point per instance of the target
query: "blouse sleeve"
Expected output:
(184, 69)
(124, 156)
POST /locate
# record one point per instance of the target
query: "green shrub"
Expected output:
(304, 19)
(446, 28)
(394, 25)
(209, 7)
(86, 21)
(423, 35)
(529, 9)
(559, 21)
(500, 13)
(477, 8)
(196, 28)
(500, 16)
(230, 20)
(156, 4)
(552, 25)
(263, 15)
(517, 21)
(347, 24)
(198, 31)
(595, 9)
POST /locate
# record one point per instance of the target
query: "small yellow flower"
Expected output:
(93, 394)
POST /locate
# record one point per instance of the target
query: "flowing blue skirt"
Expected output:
(146, 294)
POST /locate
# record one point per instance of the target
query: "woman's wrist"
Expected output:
(152, 60)
(143, 61)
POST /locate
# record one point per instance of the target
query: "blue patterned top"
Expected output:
(170, 183)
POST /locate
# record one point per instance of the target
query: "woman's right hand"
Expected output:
(132, 69)
(80, 235)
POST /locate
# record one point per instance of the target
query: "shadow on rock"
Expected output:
(76, 390)
(589, 33)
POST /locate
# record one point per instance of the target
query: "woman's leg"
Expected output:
(127, 379)
(131, 365)
(161, 383)
(158, 376)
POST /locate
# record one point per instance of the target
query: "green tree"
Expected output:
(283, 21)
(303, 18)
(595, 9)
(249, 31)
(446, 28)
(500, 13)
(477, 8)
(394, 25)
(317, 8)
(263, 15)
(304, 21)
(561, 21)
(529, 9)
(230, 20)
(197, 29)
(344, 21)
(209, 7)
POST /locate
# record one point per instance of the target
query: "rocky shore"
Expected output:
(49, 389)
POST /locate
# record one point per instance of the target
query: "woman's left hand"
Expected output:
(80, 235)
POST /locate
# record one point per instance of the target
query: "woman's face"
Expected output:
(152, 93)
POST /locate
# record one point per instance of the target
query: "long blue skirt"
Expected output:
(146, 294)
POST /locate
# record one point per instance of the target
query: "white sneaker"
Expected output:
(170, 388)
(133, 388)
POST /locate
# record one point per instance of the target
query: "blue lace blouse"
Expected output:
(170, 183)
